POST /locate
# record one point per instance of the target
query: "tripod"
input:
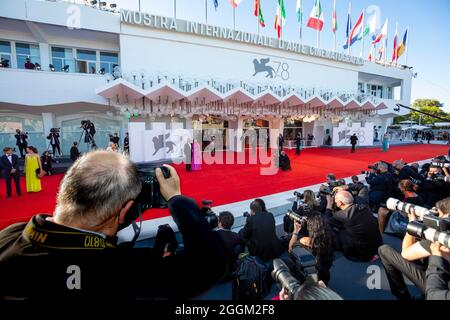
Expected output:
(88, 139)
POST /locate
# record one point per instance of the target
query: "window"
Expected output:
(389, 92)
(28, 56)
(5, 54)
(86, 61)
(376, 91)
(62, 59)
(361, 87)
(108, 61)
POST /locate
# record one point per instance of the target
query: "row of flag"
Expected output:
(316, 20)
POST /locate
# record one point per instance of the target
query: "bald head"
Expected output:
(95, 188)
(344, 197)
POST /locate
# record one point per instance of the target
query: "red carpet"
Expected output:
(232, 182)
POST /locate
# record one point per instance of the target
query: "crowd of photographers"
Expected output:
(104, 192)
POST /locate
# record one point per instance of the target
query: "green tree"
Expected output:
(430, 106)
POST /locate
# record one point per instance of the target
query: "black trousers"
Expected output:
(22, 147)
(353, 148)
(56, 147)
(297, 150)
(8, 178)
(396, 267)
(188, 167)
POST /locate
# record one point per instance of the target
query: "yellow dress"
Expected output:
(32, 181)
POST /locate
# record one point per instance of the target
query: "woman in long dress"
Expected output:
(196, 156)
(32, 163)
(385, 144)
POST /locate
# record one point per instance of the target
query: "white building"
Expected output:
(116, 68)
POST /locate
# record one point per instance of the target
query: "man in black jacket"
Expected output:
(259, 233)
(74, 254)
(74, 153)
(381, 184)
(230, 240)
(353, 141)
(21, 142)
(9, 167)
(404, 171)
(187, 149)
(356, 230)
(54, 141)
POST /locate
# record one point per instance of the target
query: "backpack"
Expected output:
(252, 280)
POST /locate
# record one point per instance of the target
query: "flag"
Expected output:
(298, 12)
(394, 50)
(402, 47)
(382, 33)
(280, 18)
(371, 25)
(216, 4)
(348, 28)
(356, 33)
(258, 13)
(334, 25)
(315, 20)
(234, 3)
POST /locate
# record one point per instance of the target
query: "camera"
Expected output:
(431, 228)
(419, 212)
(324, 190)
(299, 195)
(296, 217)
(305, 269)
(55, 130)
(209, 215)
(246, 214)
(150, 195)
(441, 164)
(85, 124)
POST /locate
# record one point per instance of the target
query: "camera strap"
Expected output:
(137, 229)
(64, 239)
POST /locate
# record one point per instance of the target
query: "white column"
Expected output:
(44, 52)
(234, 141)
(49, 121)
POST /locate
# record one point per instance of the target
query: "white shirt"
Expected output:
(9, 158)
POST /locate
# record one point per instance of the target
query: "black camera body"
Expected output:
(246, 214)
(150, 195)
(431, 228)
(299, 195)
(55, 130)
(85, 124)
(296, 217)
(210, 216)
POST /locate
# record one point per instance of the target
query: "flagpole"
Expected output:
(318, 34)
(396, 45)
(206, 11)
(407, 46)
(174, 9)
(385, 49)
(363, 29)
(348, 27)
(333, 21)
(234, 18)
(301, 23)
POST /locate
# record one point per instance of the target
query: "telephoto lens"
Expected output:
(419, 212)
(283, 277)
(441, 164)
(420, 230)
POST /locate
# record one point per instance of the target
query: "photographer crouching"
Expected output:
(74, 253)
(410, 262)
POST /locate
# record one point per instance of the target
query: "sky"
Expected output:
(428, 22)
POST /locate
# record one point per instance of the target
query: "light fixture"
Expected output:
(113, 6)
(93, 2)
(38, 66)
(4, 63)
(102, 4)
(52, 67)
(66, 68)
(102, 71)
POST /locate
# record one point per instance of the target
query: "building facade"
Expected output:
(117, 68)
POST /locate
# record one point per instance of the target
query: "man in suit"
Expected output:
(74, 153)
(298, 144)
(188, 154)
(353, 141)
(54, 141)
(21, 142)
(259, 233)
(232, 243)
(9, 167)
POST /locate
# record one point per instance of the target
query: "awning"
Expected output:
(294, 99)
(352, 104)
(315, 101)
(238, 96)
(165, 93)
(122, 90)
(335, 103)
(204, 94)
(267, 98)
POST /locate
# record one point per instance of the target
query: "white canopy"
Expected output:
(416, 127)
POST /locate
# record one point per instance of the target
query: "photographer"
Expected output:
(114, 138)
(405, 172)
(259, 233)
(126, 144)
(79, 242)
(433, 187)
(409, 191)
(380, 182)
(21, 142)
(356, 230)
(304, 204)
(319, 241)
(409, 262)
(438, 273)
(54, 141)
